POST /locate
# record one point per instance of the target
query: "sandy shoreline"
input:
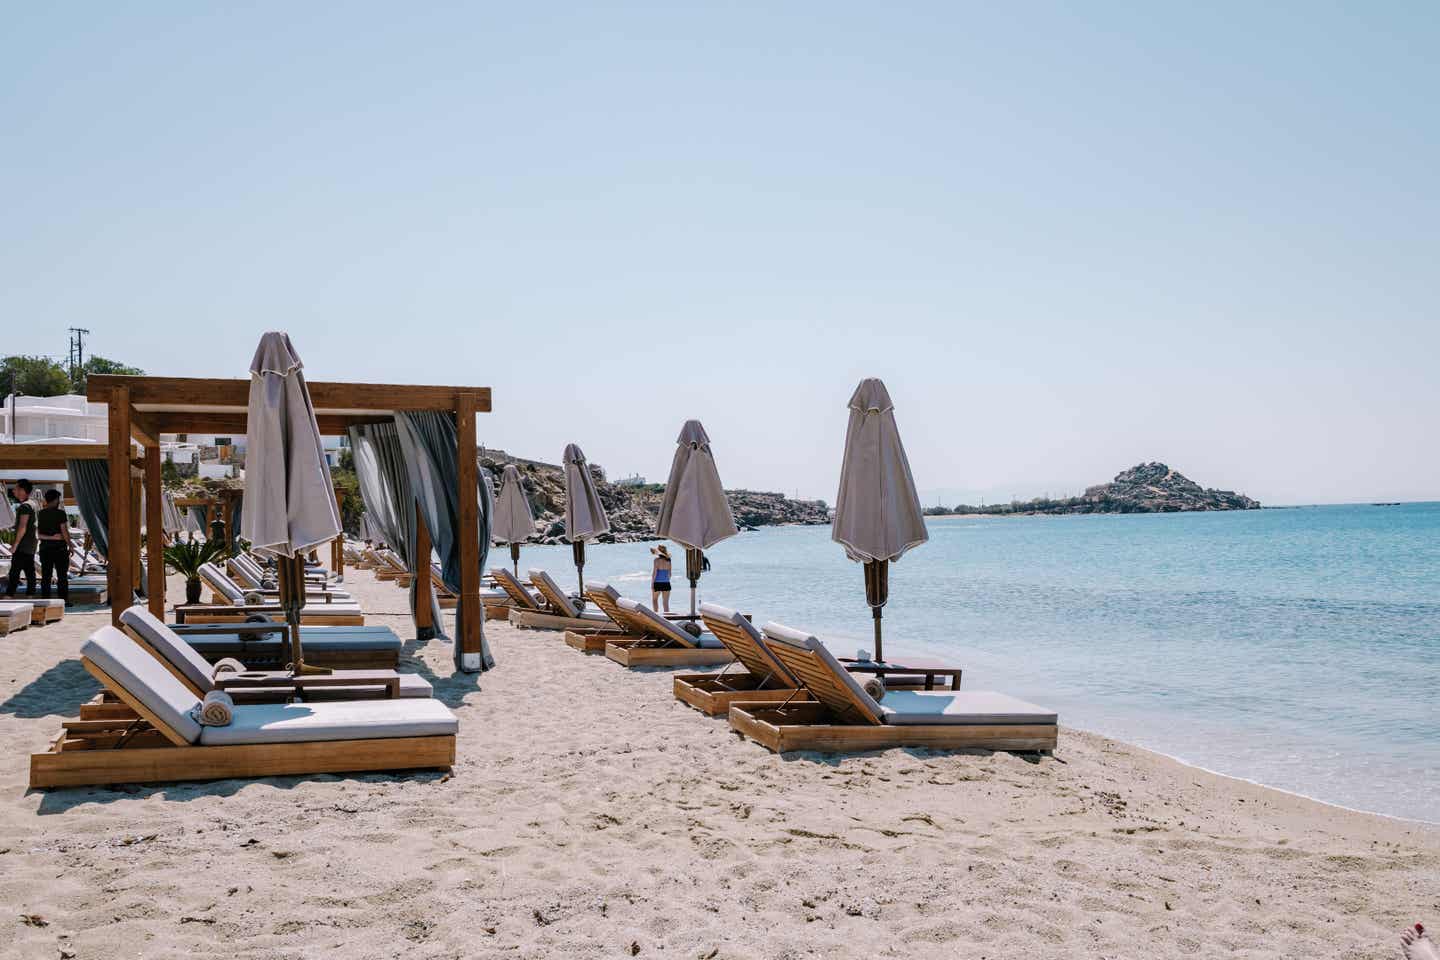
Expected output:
(589, 814)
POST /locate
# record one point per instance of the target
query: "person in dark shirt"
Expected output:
(53, 528)
(22, 558)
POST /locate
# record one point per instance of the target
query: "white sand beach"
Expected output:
(591, 815)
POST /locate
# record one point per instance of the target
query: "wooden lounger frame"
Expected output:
(652, 651)
(712, 693)
(840, 722)
(109, 747)
(6, 628)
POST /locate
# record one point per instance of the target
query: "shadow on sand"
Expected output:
(58, 800)
(58, 692)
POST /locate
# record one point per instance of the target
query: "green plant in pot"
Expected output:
(186, 558)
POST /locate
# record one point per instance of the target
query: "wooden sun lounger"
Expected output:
(265, 645)
(607, 600)
(46, 610)
(15, 616)
(104, 749)
(387, 567)
(766, 680)
(559, 612)
(662, 644)
(843, 717)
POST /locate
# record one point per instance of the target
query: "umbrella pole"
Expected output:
(694, 564)
(877, 591)
(515, 558)
(291, 576)
(578, 549)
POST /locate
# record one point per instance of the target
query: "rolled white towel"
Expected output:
(876, 688)
(216, 710)
(226, 665)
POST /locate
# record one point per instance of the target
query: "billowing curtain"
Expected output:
(390, 504)
(428, 441)
(200, 515)
(91, 480)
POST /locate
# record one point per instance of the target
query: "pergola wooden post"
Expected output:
(470, 611)
(424, 613)
(145, 407)
(337, 546)
(121, 577)
(155, 533)
(228, 510)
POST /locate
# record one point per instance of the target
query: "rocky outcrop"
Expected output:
(1144, 488)
(633, 509)
(1157, 488)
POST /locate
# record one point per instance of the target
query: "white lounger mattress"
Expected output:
(911, 707)
(339, 720)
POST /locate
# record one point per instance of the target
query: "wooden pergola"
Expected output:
(143, 408)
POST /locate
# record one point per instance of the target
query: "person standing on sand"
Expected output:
(660, 578)
(1416, 945)
(22, 558)
(53, 527)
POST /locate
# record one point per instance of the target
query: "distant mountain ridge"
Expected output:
(1144, 488)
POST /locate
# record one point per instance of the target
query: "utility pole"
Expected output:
(77, 349)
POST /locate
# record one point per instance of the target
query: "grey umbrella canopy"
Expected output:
(877, 512)
(514, 523)
(287, 481)
(584, 513)
(7, 511)
(695, 512)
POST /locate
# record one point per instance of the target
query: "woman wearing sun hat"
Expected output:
(660, 579)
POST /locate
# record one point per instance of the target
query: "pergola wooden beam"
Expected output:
(167, 394)
(48, 456)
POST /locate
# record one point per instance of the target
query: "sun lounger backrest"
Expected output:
(169, 646)
(518, 594)
(143, 679)
(811, 662)
(742, 639)
(654, 625)
(221, 583)
(552, 593)
(242, 576)
(251, 566)
(607, 598)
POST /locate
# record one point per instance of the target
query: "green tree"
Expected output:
(102, 365)
(33, 376)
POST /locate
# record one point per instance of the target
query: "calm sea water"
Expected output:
(1298, 648)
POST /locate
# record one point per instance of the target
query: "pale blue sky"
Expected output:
(1069, 237)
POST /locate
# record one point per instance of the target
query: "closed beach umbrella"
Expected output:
(7, 511)
(287, 480)
(584, 513)
(695, 512)
(514, 523)
(877, 512)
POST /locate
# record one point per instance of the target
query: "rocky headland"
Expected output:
(633, 509)
(1144, 488)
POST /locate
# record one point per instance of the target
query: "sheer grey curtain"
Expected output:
(91, 480)
(385, 488)
(428, 440)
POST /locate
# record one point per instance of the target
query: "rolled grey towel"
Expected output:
(226, 665)
(876, 688)
(254, 599)
(216, 710)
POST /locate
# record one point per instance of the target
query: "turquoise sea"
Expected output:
(1299, 648)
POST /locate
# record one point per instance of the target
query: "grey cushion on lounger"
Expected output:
(552, 593)
(779, 633)
(144, 678)
(169, 645)
(340, 720)
(660, 627)
(218, 580)
(184, 657)
(758, 660)
(371, 639)
(935, 707)
(514, 589)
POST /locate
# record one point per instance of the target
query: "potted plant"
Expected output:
(186, 558)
